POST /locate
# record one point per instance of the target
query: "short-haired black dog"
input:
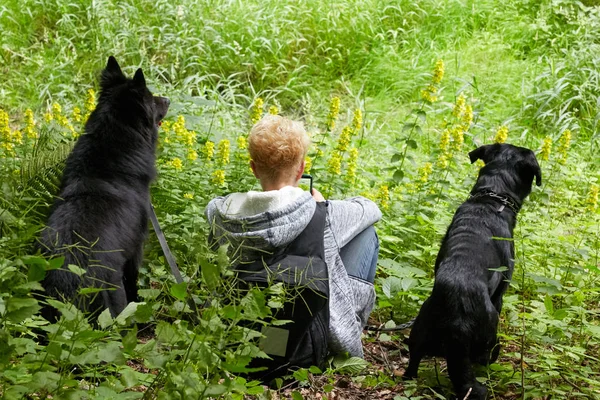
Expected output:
(99, 219)
(459, 320)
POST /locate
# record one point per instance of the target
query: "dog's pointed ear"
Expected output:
(112, 66)
(533, 166)
(112, 74)
(484, 153)
(138, 78)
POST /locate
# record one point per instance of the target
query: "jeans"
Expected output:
(360, 255)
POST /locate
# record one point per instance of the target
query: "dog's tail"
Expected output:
(400, 327)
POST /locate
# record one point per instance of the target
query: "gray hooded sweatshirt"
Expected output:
(256, 223)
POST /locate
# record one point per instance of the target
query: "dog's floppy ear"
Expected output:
(531, 167)
(138, 78)
(484, 153)
(112, 74)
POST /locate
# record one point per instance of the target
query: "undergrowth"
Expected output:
(387, 120)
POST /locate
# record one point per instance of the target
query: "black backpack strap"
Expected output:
(309, 242)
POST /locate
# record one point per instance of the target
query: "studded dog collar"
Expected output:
(505, 200)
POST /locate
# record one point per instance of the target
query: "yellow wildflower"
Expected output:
(344, 139)
(458, 137)
(76, 114)
(17, 137)
(438, 72)
(563, 145)
(383, 197)
(334, 110)
(334, 164)
(307, 164)
(208, 150)
(176, 163)
(188, 196)
(257, 110)
(48, 117)
(429, 94)
(273, 110)
(192, 155)
(459, 107)
(467, 117)
(5, 133)
(445, 141)
(166, 126)
(592, 199)
(242, 143)
(501, 134)
(29, 130)
(425, 171)
(546, 148)
(352, 164)
(443, 161)
(90, 101)
(223, 149)
(56, 110)
(218, 177)
(480, 164)
(357, 120)
(183, 135)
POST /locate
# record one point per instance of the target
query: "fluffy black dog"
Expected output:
(99, 220)
(473, 269)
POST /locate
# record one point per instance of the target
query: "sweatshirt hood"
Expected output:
(256, 223)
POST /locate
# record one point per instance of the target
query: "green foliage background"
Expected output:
(530, 66)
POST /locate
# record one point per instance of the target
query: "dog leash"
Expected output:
(165, 247)
(170, 259)
(505, 200)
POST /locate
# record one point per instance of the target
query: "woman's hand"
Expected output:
(317, 195)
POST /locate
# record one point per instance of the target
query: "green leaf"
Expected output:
(76, 269)
(19, 308)
(398, 176)
(594, 330)
(408, 126)
(422, 115)
(122, 319)
(56, 263)
(130, 340)
(396, 157)
(412, 143)
(296, 395)
(36, 273)
(254, 305)
(105, 319)
(301, 375)
(549, 305)
(255, 390)
(352, 365)
(111, 353)
(149, 294)
(211, 274)
(179, 290)
(315, 370)
(128, 377)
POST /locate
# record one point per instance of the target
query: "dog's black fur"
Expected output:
(99, 219)
(459, 320)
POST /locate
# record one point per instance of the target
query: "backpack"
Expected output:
(301, 267)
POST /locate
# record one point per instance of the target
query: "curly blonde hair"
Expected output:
(277, 145)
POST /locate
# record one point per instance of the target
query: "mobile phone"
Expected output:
(307, 176)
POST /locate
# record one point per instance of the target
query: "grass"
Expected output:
(526, 65)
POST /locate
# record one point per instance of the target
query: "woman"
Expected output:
(255, 223)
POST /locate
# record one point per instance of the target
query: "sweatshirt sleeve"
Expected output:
(347, 218)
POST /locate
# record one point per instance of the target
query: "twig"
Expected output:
(569, 382)
(468, 393)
